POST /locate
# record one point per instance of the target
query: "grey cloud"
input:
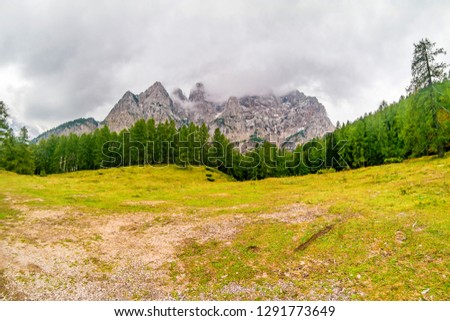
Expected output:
(81, 56)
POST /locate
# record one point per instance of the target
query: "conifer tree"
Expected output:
(425, 72)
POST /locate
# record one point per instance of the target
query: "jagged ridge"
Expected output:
(294, 117)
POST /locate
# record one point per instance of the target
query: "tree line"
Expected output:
(416, 125)
(394, 132)
(15, 152)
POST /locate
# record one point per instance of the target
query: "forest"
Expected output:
(416, 125)
(393, 133)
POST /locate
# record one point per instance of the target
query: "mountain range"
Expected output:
(292, 118)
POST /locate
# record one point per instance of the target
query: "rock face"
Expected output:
(154, 103)
(125, 112)
(293, 118)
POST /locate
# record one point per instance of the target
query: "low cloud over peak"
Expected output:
(62, 60)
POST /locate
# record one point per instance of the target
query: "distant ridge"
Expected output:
(78, 126)
(293, 117)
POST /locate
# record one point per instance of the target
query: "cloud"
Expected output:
(70, 59)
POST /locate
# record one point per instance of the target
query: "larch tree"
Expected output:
(3, 121)
(424, 68)
(426, 71)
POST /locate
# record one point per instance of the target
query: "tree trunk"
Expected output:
(439, 144)
(440, 150)
(430, 82)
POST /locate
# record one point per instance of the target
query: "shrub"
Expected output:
(209, 169)
(393, 160)
(210, 179)
(43, 173)
(326, 170)
(208, 175)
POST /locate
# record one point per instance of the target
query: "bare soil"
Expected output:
(65, 254)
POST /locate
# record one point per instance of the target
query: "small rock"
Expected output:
(400, 237)
(425, 291)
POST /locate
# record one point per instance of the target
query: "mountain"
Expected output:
(154, 103)
(78, 126)
(291, 118)
(278, 119)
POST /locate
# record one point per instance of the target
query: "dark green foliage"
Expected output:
(15, 152)
(3, 122)
(426, 71)
(326, 170)
(394, 132)
(397, 131)
(255, 138)
(210, 179)
(393, 160)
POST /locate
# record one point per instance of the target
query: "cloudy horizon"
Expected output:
(64, 60)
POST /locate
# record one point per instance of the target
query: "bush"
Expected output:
(43, 173)
(209, 169)
(208, 175)
(393, 160)
(210, 179)
(326, 170)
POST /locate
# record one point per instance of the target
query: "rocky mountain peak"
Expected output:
(293, 117)
(197, 93)
(232, 107)
(178, 94)
(156, 93)
(126, 111)
(129, 96)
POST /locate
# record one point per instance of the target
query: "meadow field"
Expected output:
(168, 233)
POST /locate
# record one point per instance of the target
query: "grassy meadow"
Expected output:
(157, 233)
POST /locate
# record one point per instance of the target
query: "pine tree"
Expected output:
(203, 136)
(3, 122)
(24, 161)
(151, 137)
(425, 72)
(4, 132)
(424, 68)
(85, 152)
(139, 137)
(100, 137)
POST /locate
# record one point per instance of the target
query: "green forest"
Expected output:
(394, 132)
(416, 125)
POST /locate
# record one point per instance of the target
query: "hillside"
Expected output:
(378, 233)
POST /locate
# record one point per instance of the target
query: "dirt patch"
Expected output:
(68, 254)
(222, 195)
(144, 203)
(65, 254)
(45, 214)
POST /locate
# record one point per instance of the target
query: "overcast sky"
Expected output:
(61, 60)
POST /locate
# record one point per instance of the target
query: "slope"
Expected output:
(379, 233)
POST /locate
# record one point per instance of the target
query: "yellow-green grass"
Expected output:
(388, 239)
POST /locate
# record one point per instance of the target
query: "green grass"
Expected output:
(6, 213)
(390, 239)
